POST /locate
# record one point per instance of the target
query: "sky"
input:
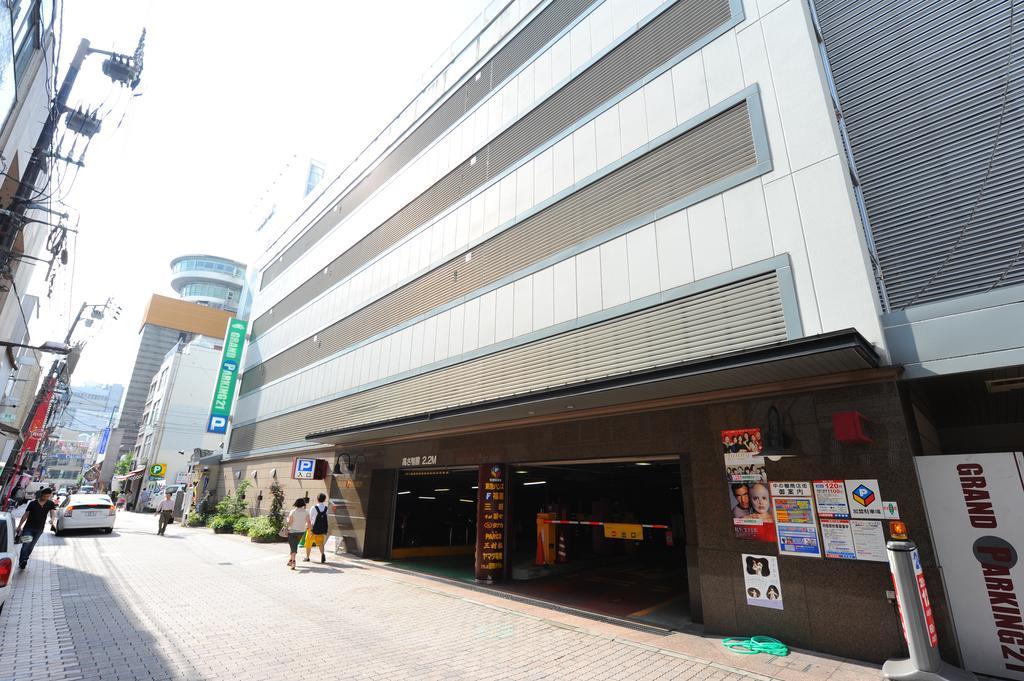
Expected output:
(230, 91)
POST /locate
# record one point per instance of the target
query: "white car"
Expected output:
(85, 511)
(8, 556)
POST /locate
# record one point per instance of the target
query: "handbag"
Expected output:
(283, 532)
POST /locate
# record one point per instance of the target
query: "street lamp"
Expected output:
(52, 347)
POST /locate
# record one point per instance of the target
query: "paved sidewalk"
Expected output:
(192, 605)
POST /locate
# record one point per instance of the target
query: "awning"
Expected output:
(836, 358)
(137, 473)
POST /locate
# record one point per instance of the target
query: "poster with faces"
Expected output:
(750, 502)
(761, 581)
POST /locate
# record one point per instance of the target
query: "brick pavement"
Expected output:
(192, 605)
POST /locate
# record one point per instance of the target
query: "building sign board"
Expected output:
(303, 469)
(157, 471)
(796, 526)
(837, 538)
(490, 523)
(624, 531)
(926, 604)
(830, 496)
(37, 428)
(976, 500)
(104, 439)
(869, 540)
(227, 377)
(864, 499)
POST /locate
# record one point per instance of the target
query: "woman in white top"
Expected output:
(297, 524)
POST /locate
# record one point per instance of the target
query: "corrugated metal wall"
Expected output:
(679, 26)
(743, 315)
(931, 94)
(538, 32)
(710, 152)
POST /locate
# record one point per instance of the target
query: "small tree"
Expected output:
(276, 506)
(233, 504)
(123, 466)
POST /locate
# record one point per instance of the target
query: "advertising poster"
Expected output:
(869, 540)
(864, 498)
(742, 440)
(796, 527)
(749, 494)
(976, 499)
(761, 581)
(837, 538)
(830, 496)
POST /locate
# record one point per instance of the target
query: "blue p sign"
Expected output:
(304, 469)
(217, 424)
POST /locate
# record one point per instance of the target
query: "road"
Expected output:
(193, 605)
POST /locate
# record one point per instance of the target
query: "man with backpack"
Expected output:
(317, 534)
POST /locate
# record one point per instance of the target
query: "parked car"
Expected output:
(85, 511)
(7, 556)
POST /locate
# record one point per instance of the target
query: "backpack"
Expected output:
(320, 524)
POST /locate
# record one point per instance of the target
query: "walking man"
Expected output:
(143, 500)
(165, 509)
(33, 523)
(317, 534)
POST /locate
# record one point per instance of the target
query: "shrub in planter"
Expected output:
(262, 531)
(241, 525)
(195, 520)
(222, 524)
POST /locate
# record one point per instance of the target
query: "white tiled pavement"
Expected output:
(192, 605)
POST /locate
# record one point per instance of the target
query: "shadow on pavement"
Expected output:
(79, 622)
(320, 568)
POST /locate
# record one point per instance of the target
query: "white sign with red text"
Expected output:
(976, 500)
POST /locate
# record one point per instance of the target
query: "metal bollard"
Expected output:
(924, 663)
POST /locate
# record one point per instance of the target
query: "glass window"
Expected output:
(203, 265)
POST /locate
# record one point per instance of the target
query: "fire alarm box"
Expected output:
(850, 427)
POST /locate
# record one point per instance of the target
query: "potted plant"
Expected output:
(222, 524)
(196, 520)
(262, 531)
(231, 512)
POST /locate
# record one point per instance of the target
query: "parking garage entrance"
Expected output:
(605, 537)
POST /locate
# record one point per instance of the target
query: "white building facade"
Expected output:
(176, 411)
(607, 231)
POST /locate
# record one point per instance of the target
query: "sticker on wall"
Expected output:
(890, 510)
(869, 540)
(864, 498)
(749, 495)
(761, 581)
(837, 538)
(796, 526)
(830, 496)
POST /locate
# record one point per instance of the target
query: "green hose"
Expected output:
(755, 645)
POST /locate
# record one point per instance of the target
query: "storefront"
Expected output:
(752, 508)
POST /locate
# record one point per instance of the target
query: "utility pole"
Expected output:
(122, 69)
(119, 68)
